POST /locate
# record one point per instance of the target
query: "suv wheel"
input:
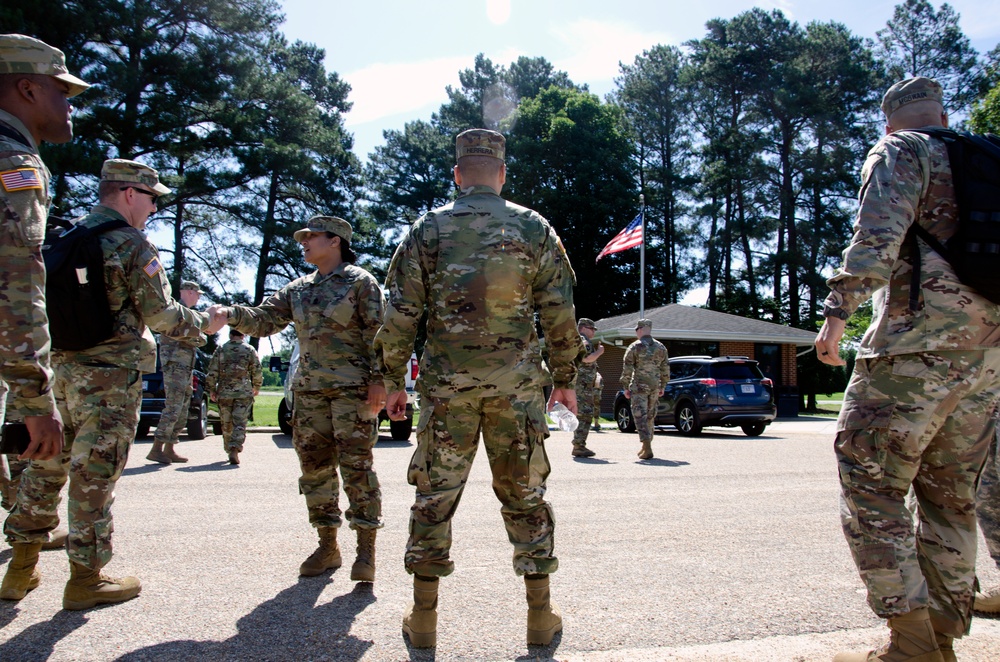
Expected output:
(142, 431)
(753, 429)
(623, 417)
(284, 418)
(197, 428)
(400, 430)
(687, 420)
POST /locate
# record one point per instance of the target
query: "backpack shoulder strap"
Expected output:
(14, 134)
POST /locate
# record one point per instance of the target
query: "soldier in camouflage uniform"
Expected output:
(34, 90)
(988, 513)
(177, 356)
(98, 392)
(645, 373)
(596, 395)
(234, 379)
(586, 375)
(338, 387)
(917, 408)
(480, 268)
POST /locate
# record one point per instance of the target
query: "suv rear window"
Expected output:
(736, 371)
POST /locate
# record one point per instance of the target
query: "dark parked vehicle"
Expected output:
(153, 398)
(725, 391)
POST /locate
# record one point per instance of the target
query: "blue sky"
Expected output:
(399, 55)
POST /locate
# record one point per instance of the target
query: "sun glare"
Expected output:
(498, 11)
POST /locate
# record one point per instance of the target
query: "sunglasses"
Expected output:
(154, 196)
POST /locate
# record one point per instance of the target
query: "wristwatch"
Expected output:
(839, 313)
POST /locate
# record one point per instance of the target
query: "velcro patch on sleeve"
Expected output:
(21, 179)
(152, 267)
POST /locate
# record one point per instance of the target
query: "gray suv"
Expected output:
(726, 391)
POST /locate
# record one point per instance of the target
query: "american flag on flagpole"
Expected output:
(630, 237)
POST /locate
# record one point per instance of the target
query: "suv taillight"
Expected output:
(194, 381)
(707, 382)
(767, 382)
(414, 368)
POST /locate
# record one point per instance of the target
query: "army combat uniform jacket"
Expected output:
(138, 290)
(24, 331)
(907, 179)
(482, 267)
(234, 371)
(335, 316)
(645, 368)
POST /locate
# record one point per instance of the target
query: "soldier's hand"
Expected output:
(376, 398)
(628, 394)
(567, 396)
(46, 437)
(214, 398)
(395, 406)
(828, 341)
(600, 349)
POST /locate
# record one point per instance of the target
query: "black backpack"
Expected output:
(76, 296)
(974, 250)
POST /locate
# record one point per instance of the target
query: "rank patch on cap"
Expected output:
(22, 179)
(152, 267)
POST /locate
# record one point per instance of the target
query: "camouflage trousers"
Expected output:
(988, 501)
(514, 430)
(922, 420)
(333, 428)
(584, 414)
(100, 410)
(644, 412)
(176, 402)
(234, 412)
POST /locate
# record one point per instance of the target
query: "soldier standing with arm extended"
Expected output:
(35, 88)
(338, 387)
(177, 356)
(98, 391)
(645, 373)
(917, 410)
(234, 379)
(481, 268)
(586, 375)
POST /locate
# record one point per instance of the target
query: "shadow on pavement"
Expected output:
(289, 626)
(592, 460)
(387, 442)
(144, 469)
(282, 440)
(663, 463)
(38, 641)
(221, 465)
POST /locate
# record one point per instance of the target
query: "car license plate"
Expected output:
(746, 388)
(145, 385)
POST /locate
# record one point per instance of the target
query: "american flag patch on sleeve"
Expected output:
(22, 179)
(152, 267)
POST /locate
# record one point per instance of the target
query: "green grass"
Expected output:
(265, 408)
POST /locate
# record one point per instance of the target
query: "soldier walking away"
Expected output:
(98, 391)
(234, 379)
(480, 268)
(177, 357)
(988, 514)
(35, 88)
(338, 387)
(586, 376)
(645, 373)
(917, 409)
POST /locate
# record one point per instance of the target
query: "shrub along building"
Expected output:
(689, 331)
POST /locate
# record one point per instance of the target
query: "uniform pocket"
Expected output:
(419, 473)
(863, 437)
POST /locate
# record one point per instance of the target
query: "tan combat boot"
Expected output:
(234, 456)
(156, 453)
(420, 619)
(646, 452)
(57, 539)
(581, 450)
(21, 574)
(911, 639)
(88, 588)
(168, 450)
(987, 603)
(543, 616)
(947, 646)
(326, 556)
(363, 569)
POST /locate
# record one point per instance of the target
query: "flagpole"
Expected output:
(642, 259)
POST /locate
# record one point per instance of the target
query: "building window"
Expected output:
(769, 359)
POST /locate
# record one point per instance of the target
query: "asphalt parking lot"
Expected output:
(722, 547)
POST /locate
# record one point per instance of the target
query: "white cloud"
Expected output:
(596, 48)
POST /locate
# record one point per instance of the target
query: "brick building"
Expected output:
(689, 331)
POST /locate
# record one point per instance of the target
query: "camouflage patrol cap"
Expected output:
(337, 226)
(480, 142)
(233, 331)
(644, 323)
(132, 172)
(586, 321)
(910, 90)
(191, 285)
(20, 54)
